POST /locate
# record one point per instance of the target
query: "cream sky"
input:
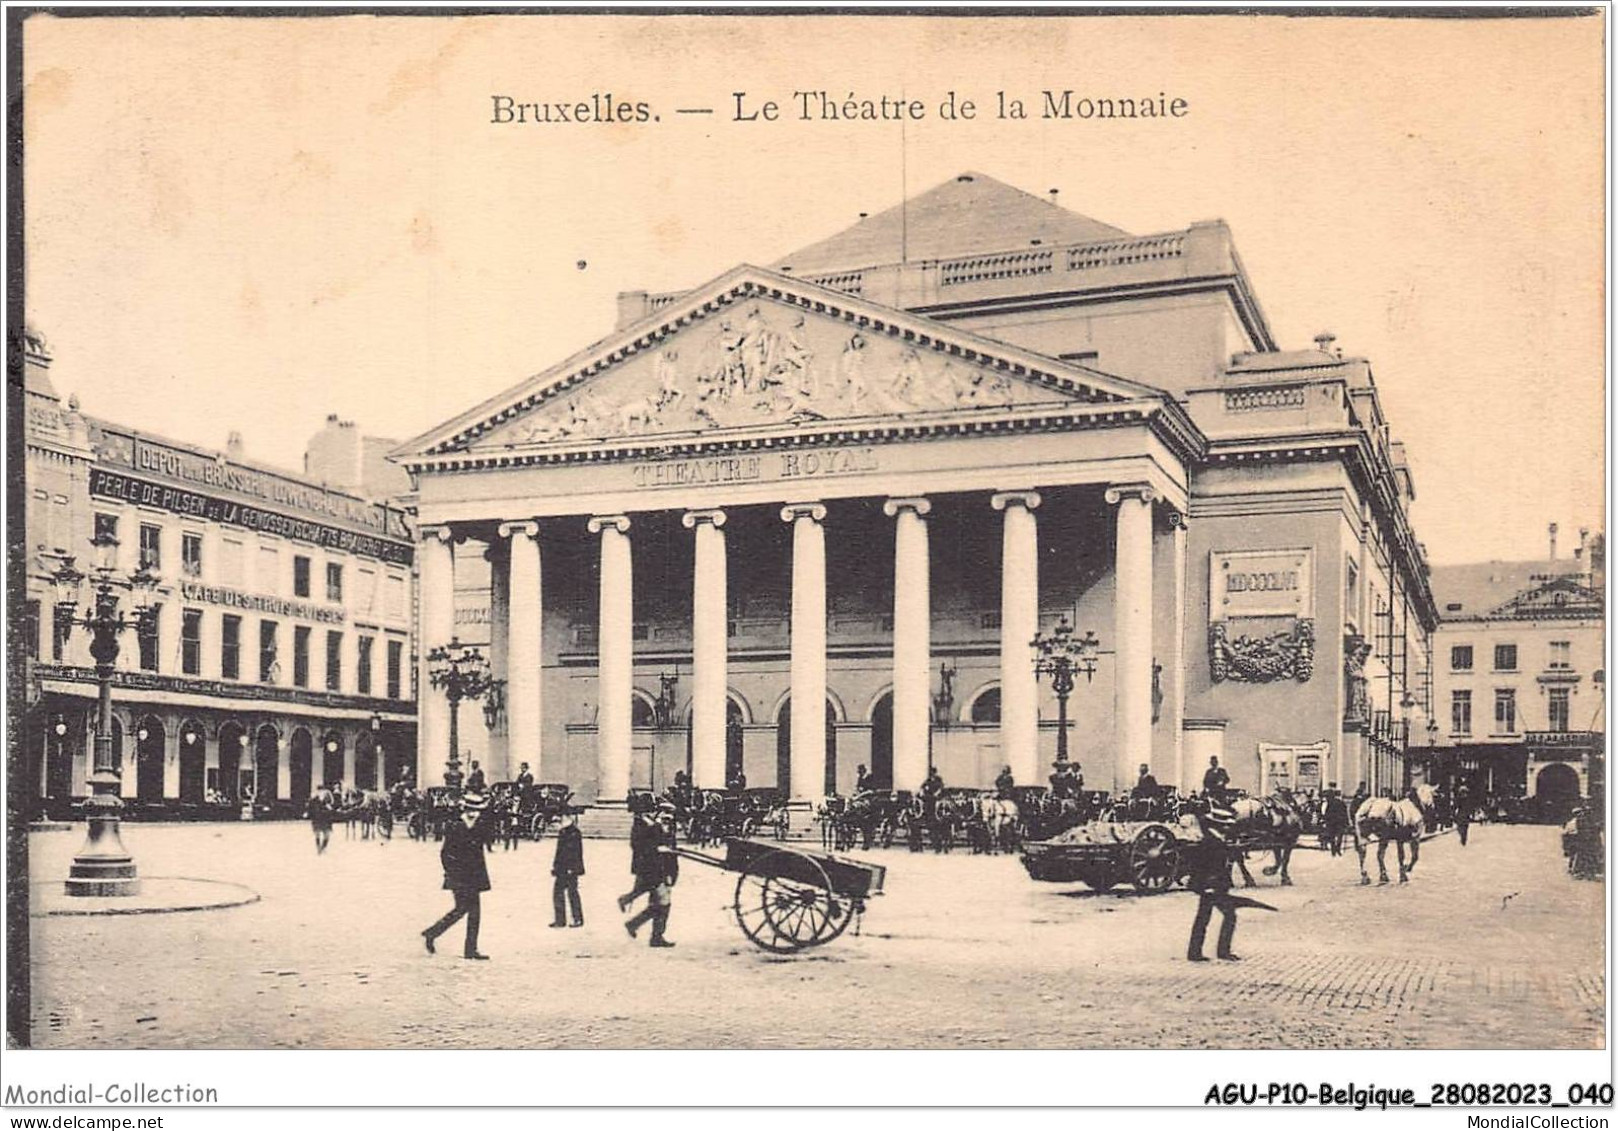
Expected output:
(249, 223)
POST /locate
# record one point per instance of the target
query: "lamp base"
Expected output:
(103, 866)
(102, 877)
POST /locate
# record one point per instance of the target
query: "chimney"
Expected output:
(234, 448)
(1553, 541)
(1053, 193)
(1323, 341)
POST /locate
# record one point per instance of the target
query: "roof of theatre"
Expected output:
(966, 215)
(1484, 589)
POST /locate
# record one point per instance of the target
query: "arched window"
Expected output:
(642, 712)
(986, 707)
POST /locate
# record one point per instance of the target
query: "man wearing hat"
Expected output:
(656, 868)
(466, 874)
(1210, 878)
(1215, 781)
(1066, 783)
(1334, 819)
(567, 867)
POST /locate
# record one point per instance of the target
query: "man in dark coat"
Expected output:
(931, 789)
(863, 782)
(567, 868)
(1334, 819)
(1463, 811)
(656, 868)
(1004, 784)
(525, 779)
(475, 781)
(1066, 783)
(737, 782)
(466, 874)
(1210, 878)
(1215, 782)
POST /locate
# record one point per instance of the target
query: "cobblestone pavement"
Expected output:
(1491, 946)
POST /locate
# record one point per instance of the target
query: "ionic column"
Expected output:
(1019, 624)
(435, 627)
(808, 648)
(498, 555)
(1132, 632)
(525, 613)
(912, 648)
(709, 648)
(616, 664)
(1174, 662)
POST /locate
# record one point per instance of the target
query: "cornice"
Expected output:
(1040, 418)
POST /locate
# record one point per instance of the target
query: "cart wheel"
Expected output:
(1154, 859)
(783, 914)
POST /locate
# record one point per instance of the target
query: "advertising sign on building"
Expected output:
(1261, 583)
(1297, 768)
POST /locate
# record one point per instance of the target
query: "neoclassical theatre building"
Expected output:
(864, 478)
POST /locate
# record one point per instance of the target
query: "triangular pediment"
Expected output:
(760, 351)
(1565, 596)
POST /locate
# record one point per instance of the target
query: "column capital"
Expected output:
(438, 533)
(693, 519)
(1176, 518)
(921, 506)
(525, 526)
(600, 522)
(1004, 499)
(1118, 492)
(794, 511)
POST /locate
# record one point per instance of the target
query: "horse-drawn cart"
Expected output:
(1154, 856)
(1151, 855)
(787, 899)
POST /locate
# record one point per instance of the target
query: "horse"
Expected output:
(1274, 822)
(999, 817)
(875, 815)
(1398, 821)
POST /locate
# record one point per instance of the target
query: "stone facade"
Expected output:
(877, 482)
(283, 610)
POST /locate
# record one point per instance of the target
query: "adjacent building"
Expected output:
(281, 654)
(806, 517)
(1520, 673)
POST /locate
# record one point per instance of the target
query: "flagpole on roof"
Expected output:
(904, 195)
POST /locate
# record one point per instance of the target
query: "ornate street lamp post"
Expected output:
(1060, 656)
(460, 671)
(103, 866)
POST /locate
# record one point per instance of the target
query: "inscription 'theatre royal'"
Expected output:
(747, 469)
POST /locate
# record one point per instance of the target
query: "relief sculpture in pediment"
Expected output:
(762, 366)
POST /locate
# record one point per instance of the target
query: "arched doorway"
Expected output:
(331, 759)
(365, 761)
(882, 743)
(783, 748)
(193, 762)
(228, 779)
(151, 742)
(1557, 784)
(301, 765)
(266, 763)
